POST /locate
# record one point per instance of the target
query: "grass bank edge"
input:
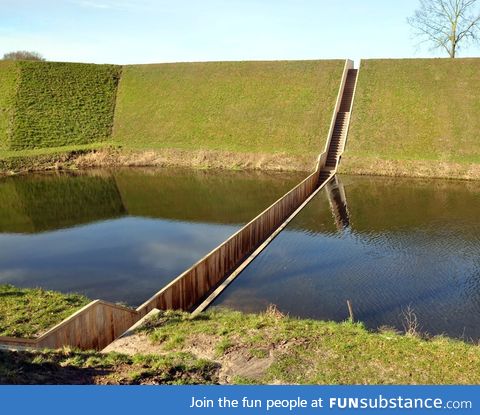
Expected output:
(319, 352)
(291, 350)
(28, 312)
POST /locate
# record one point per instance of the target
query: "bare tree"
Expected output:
(23, 55)
(447, 24)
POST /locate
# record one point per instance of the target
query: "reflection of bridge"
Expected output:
(338, 203)
(99, 323)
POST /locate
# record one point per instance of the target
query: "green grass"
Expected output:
(8, 87)
(26, 312)
(318, 352)
(417, 109)
(77, 367)
(53, 104)
(259, 107)
(53, 151)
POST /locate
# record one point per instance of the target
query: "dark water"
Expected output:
(384, 244)
(121, 236)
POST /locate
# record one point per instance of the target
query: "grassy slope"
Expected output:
(416, 109)
(264, 107)
(317, 352)
(63, 104)
(8, 84)
(26, 312)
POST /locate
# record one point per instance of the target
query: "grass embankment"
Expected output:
(223, 346)
(50, 112)
(63, 104)
(8, 82)
(272, 348)
(263, 108)
(416, 117)
(263, 115)
(27, 312)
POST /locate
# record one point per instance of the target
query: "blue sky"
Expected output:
(143, 31)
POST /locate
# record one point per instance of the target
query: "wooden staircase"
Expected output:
(342, 121)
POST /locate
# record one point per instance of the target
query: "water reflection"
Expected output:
(338, 203)
(396, 243)
(122, 235)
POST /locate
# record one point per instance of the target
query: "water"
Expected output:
(384, 244)
(122, 235)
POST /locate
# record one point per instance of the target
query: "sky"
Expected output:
(148, 31)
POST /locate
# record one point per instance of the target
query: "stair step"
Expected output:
(339, 133)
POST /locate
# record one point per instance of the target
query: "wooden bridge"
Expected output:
(99, 323)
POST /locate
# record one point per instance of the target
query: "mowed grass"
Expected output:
(262, 107)
(27, 312)
(8, 87)
(63, 104)
(417, 109)
(319, 352)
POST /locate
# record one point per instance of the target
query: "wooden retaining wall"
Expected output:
(93, 327)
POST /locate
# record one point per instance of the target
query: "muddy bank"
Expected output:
(212, 159)
(409, 168)
(201, 159)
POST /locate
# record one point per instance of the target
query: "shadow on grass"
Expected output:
(67, 367)
(12, 294)
(25, 368)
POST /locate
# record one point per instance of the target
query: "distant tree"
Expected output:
(23, 55)
(447, 24)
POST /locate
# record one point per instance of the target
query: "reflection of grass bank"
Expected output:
(230, 347)
(44, 202)
(27, 312)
